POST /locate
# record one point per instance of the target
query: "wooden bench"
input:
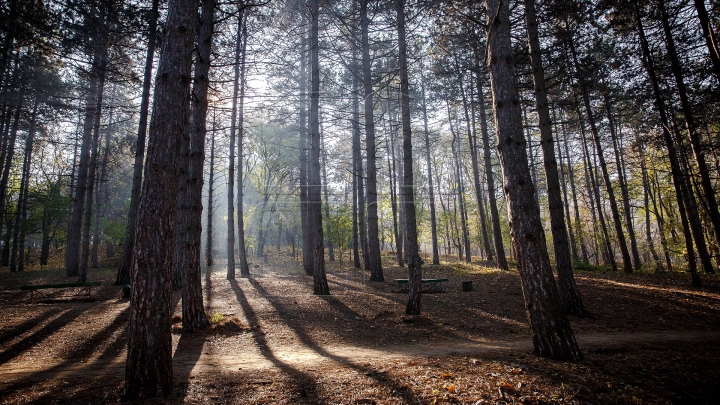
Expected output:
(84, 286)
(428, 284)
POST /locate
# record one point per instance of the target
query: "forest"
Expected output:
(229, 178)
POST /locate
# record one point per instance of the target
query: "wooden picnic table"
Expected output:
(84, 286)
(429, 284)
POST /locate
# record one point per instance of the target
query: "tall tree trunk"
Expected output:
(304, 207)
(607, 244)
(230, 248)
(568, 289)
(102, 193)
(710, 201)
(358, 190)
(393, 197)
(431, 188)
(573, 191)
(72, 251)
(242, 250)
(408, 192)
(494, 215)
(649, 65)
(209, 260)
(320, 284)
(189, 254)
(460, 189)
(637, 263)
(472, 145)
(331, 250)
(92, 174)
(552, 335)
(373, 259)
(125, 261)
(646, 198)
(17, 262)
(7, 162)
(148, 369)
(627, 261)
(661, 225)
(566, 202)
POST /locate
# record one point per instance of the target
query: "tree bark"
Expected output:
(358, 190)
(393, 196)
(552, 335)
(124, 268)
(188, 253)
(373, 259)
(304, 208)
(571, 297)
(148, 369)
(411, 247)
(92, 169)
(209, 260)
(320, 284)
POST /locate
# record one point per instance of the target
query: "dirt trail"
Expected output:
(302, 357)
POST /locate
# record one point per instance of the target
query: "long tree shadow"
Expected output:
(43, 333)
(304, 380)
(306, 339)
(26, 326)
(80, 355)
(187, 353)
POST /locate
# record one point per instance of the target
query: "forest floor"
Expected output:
(652, 339)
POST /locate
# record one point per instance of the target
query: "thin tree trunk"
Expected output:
(571, 174)
(373, 259)
(230, 248)
(92, 174)
(472, 145)
(102, 193)
(393, 197)
(148, 369)
(358, 190)
(431, 188)
(17, 262)
(460, 189)
(552, 335)
(320, 284)
(411, 247)
(124, 268)
(661, 225)
(637, 263)
(304, 207)
(331, 251)
(211, 188)
(627, 261)
(610, 256)
(566, 203)
(242, 250)
(646, 198)
(494, 215)
(571, 297)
